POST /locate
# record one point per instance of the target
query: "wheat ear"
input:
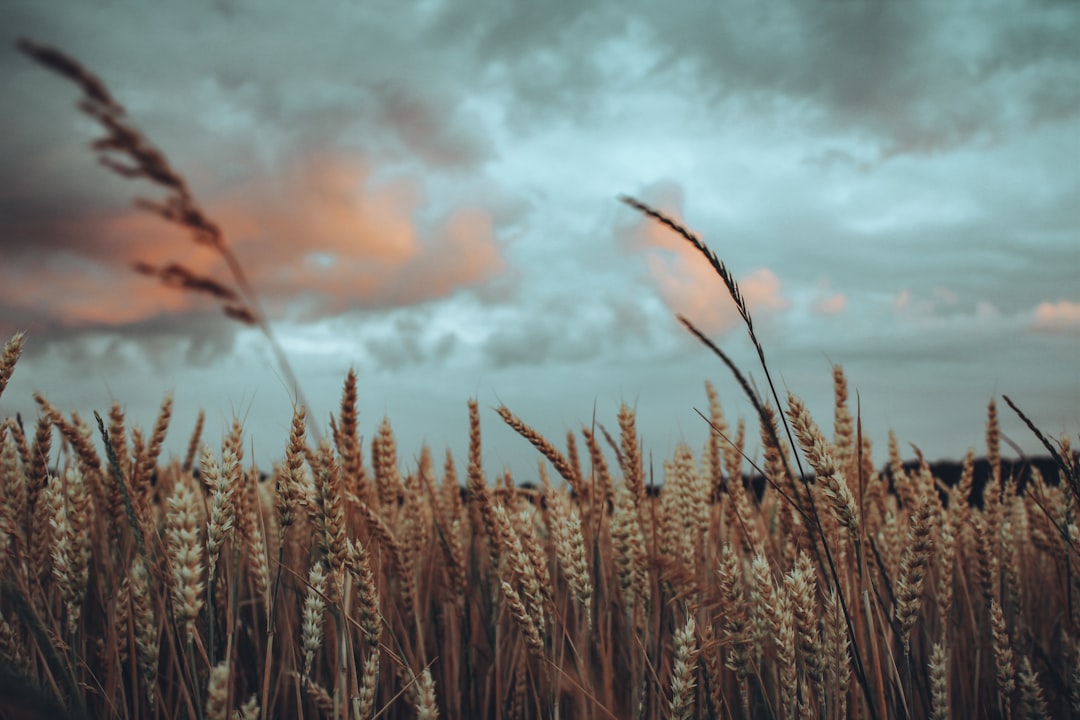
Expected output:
(312, 619)
(939, 683)
(12, 350)
(913, 566)
(186, 557)
(682, 671)
(217, 693)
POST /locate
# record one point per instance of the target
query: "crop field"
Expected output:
(348, 586)
(817, 577)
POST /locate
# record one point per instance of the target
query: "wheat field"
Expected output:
(345, 585)
(818, 576)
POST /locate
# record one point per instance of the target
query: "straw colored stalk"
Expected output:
(424, 696)
(217, 692)
(683, 670)
(601, 473)
(939, 683)
(320, 696)
(843, 427)
(716, 439)
(776, 607)
(947, 556)
(525, 525)
(12, 351)
(70, 522)
(193, 442)
(347, 437)
(524, 620)
(220, 482)
(14, 497)
(76, 433)
(684, 509)
(331, 516)
(288, 491)
(146, 463)
(631, 555)
(557, 459)
(476, 484)
(826, 469)
(1004, 664)
(251, 530)
(565, 524)
(384, 457)
(801, 585)
(522, 571)
(733, 451)
(146, 627)
(312, 618)
(836, 646)
(121, 470)
(364, 705)
(185, 557)
(249, 710)
(730, 586)
(630, 458)
(1032, 701)
(367, 594)
(913, 567)
(448, 519)
(407, 590)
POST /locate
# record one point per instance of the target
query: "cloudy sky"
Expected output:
(427, 192)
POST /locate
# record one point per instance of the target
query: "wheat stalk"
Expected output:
(913, 567)
(311, 637)
(826, 469)
(185, 556)
(12, 351)
(939, 683)
(683, 670)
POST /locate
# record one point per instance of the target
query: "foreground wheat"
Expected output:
(495, 602)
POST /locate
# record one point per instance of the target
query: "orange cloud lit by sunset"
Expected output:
(324, 231)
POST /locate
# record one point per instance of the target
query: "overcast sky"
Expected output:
(427, 192)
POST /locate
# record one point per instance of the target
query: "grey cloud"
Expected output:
(299, 79)
(424, 126)
(914, 78)
(407, 344)
(572, 331)
(194, 340)
(917, 77)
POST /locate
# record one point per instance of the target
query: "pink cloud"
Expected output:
(832, 305)
(1057, 317)
(330, 232)
(902, 299)
(685, 280)
(321, 237)
(688, 285)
